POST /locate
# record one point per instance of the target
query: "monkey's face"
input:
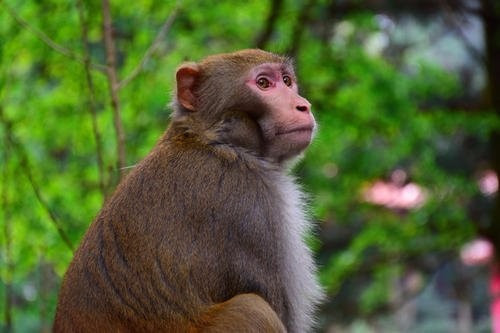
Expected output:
(287, 124)
(258, 92)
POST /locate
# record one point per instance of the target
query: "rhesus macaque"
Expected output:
(206, 233)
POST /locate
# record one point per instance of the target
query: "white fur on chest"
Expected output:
(299, 269)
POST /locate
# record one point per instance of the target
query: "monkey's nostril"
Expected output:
(302, 108)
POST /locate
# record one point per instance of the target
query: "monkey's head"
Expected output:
(250, 98)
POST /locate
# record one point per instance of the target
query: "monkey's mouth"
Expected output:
(305, 129)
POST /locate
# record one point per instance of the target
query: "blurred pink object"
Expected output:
(495, 299)
(390, 195)
(477, 252)
(480, 252)
(488, 182)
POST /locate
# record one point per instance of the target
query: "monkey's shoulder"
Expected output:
(212, 157)
(195, 173)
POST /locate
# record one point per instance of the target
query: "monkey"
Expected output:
(206, 233)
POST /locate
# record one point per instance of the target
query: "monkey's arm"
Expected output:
(247, 313)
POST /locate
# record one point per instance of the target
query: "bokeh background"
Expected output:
(403, 174)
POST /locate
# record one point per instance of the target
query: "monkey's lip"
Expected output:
(306, 128)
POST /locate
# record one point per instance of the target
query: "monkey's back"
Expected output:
(187, 228)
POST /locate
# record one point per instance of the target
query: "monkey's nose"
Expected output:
(303, 108)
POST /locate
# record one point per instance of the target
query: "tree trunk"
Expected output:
(491, 18)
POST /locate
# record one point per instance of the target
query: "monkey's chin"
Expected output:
(287, 146)
(299, 138)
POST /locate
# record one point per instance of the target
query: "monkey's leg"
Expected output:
(245, 313)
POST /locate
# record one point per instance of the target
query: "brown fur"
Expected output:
(244, 313)
(191, 239)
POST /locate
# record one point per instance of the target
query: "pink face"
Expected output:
(288, 126)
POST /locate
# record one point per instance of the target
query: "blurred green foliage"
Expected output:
(375, 117)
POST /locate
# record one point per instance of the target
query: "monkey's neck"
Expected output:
(237, 136)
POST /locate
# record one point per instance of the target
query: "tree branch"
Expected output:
(265, 35)
(298, 29)
(454, 22)
(48, 41)
(25, 166)
(92, 104)
(109, 44)
(152, 48)
(7, 234)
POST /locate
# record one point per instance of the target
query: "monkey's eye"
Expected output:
(288, 80)
(263, 83)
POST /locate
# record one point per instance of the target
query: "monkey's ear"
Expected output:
(186, 77)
